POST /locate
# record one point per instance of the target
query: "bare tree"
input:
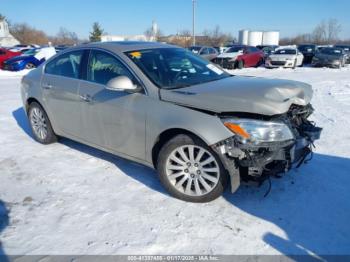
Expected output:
(28, 35)
(65, 37)
(216, 37)
(150, 35)
(333, 30)
(327, 32)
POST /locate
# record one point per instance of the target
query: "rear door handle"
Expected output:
(47, 86)
(86, 98)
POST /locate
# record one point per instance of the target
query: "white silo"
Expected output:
(271, 38)
(243, 37)
(255, 38)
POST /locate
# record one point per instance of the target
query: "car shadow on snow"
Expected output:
(311, 205)
(22, 121)
(4, 222)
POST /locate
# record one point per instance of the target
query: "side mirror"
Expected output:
(122, 83)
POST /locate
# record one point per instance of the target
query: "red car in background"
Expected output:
(240, 56)
(6, 54)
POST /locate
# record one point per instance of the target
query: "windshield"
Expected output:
(307, 48)
(194, 49)
(171, 68)
(234, 49)
(331, 51)
(30, 52)
(344, 47)
(285, 52)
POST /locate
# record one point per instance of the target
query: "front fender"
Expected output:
(162, 116)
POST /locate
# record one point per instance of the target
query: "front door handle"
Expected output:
(47, 86)
(86, 98)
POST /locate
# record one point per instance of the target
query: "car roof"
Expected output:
(125, 46)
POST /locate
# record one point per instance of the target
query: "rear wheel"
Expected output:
(40, 124)
(190, 170)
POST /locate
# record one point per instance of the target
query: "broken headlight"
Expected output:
(258, 131)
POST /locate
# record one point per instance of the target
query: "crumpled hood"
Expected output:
(229, 55)
(242, 94)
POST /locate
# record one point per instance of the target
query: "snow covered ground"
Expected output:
(68, 198)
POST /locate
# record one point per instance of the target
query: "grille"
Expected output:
(278, 63)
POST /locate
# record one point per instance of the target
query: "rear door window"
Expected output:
(67, 65)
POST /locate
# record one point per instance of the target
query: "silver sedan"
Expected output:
(162, 106)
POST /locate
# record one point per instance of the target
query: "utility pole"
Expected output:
(193, 21)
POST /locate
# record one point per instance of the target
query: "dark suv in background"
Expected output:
(346, 49)
(308, 51)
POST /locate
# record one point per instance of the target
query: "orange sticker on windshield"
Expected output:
(135, 54)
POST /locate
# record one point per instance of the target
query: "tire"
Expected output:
(240, 64)
(29, 66)
(183, 176)
(40, 124)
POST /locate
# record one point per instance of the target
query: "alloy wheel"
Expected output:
(38, 122)
(192, 170)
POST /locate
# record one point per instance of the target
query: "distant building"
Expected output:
(255, 38)
(152, 36)
(6, 39)
(107, 38)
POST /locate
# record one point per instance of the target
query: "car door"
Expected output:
(205, 53)
(248, 57)
(112, 119)
(60, 84)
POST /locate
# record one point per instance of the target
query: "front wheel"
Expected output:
(40, 124)
(240, 64)
(190, 170)
(29, 66)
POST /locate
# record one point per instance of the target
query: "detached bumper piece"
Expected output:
(257, 162)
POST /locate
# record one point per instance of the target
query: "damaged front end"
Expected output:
(262, 147)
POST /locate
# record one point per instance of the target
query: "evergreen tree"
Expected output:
(97, 31)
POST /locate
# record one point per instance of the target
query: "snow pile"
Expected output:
(7, 74)
(67, 198)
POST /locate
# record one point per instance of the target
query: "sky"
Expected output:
(129, 17)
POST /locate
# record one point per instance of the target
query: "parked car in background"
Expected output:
(285, 57)
(21, 48)
(206, 52)
(240, 56)
(330, 57)
(308, 51)
(221, 49)
(6, 54)
(29, 59)
(267, 49)
(200, 127)
(59, 48)
(346, 49)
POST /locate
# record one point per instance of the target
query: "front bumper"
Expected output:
(332, 64)
(13, 67)
(256, 162)
(227, 63)
(276, 64)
